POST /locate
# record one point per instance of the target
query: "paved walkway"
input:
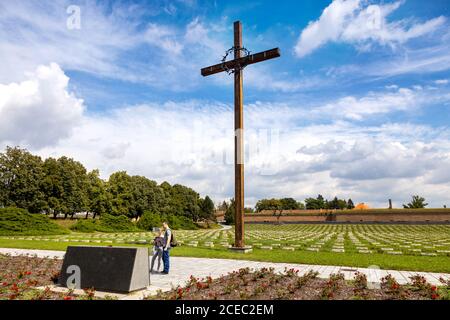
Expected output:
(182, 268)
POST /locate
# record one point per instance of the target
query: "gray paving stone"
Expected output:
(183, 267)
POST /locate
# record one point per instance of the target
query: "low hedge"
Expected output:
(15, 221)
(150, 220)
(325, 212)
(107, 223)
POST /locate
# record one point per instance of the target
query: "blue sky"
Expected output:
(357, 105)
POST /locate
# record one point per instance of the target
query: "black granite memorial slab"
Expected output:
(114, 269)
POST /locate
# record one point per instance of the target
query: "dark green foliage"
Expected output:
(85, 225)
(15, 221)
(417, 202)
(183, 201)
(150, 220)
(350, 204)
(98, 197)
(336, 203)
(21, 174)
(107, 223)
(63, 186)
(290, 204)
(206, 208)
(315, 204)
(321, 203)
(120, 188)
(278, 204)
(180, 222)
(230, 212)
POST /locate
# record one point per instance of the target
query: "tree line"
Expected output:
(317, 203)
(64, 186)
(310, 204)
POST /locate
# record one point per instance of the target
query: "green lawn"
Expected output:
(401, 247)
(384, 261)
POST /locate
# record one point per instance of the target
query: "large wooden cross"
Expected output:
(235, 66)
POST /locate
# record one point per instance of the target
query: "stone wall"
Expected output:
(423, 216)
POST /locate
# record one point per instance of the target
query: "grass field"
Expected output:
(407, 247)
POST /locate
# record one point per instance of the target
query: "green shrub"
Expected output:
(180, 222)
(106, 223)
(15, 221)
(84, 225)
(150, 220)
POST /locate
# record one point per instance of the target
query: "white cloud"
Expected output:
(39, 111)
(191, 143)
(114, 42)
(164, 38)
(163, 55)
(353, 108)
(356, 22)
(41, 36)
(441, 81)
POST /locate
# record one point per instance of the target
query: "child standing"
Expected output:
(158, 248)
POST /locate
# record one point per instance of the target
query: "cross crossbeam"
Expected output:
(236, 65)
(241, 62)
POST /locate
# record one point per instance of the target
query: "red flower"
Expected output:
(200, 285)
(28, 273)
(394, 286)
(67, 298)
(434, 296)
(5, 284)
(433, 288)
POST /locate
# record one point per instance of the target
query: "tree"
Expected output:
(230, 213)
(21, 174)
(223, 206)
(65, 186)
(207, 208)
(350, 204)
(52, 187)
(99, 198)
(417, 202)
(336, 204)
(268, 204)
(278, 204)
(315, 204)
(150, 220)
(184, 201)
(147, 195)
(121, 190)
(289, 204)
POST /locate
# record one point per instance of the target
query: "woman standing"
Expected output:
(158, 248)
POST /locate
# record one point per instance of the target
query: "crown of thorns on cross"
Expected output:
(238, 66)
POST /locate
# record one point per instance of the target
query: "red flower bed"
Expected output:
(266, 284)
(19, 277)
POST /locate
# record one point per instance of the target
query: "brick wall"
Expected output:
(429, 216)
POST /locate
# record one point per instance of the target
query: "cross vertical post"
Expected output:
(236, 66)
(238, 142)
